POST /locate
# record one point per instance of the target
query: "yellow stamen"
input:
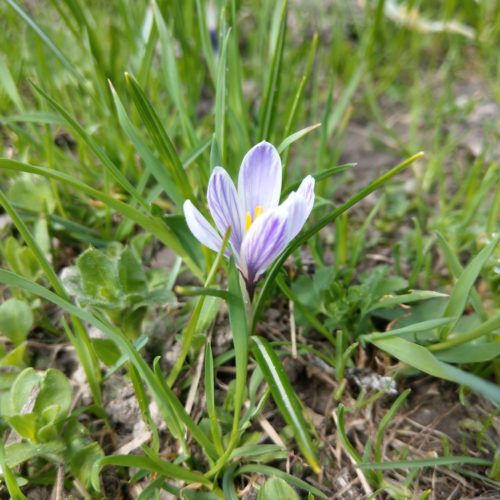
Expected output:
(259, 210)
(248, 221)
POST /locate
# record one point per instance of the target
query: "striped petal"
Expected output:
(299, 205)
(201, 228)
(225, 208)
(259, 180)
(265, 240)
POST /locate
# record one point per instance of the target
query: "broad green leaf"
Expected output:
(419, 357)
(18, 453)
(21, 259)
(106, 350)
(407, 298)
(81, 340)
(24, 391)
(413, 329)
(83, 461)
(99, 276)
(32, 193)
(55, 389)
(25, 425)
(477, 352)
(131, 273)
(276, 488)
(16, 320)
(15, 357)
(274, 472)
(285, 398)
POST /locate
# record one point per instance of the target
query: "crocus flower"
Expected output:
(261, 228)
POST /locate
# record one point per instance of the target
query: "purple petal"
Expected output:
(259, 181)
(299, 205)
(201, 228)
(225, 207)
(265, 240)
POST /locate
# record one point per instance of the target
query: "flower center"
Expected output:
(259, 210)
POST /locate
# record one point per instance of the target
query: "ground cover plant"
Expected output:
(228, 268)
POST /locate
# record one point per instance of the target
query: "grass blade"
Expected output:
(47, 41)
(169, 66)
(268, 110)
(120, 179)
(296, 136)
(154, 466)
(457, 269)
(150, 161)
(285, 398)
(220, 99)
(239, 329)
(210, 399)
(461, 291)
(426, 462)
(159, 136)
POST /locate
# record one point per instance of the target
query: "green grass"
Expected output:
(113, 113)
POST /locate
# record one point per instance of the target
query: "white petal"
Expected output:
(224, 206)
(306, 190)
(201, 228)
(299, 205)
(259, 180)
